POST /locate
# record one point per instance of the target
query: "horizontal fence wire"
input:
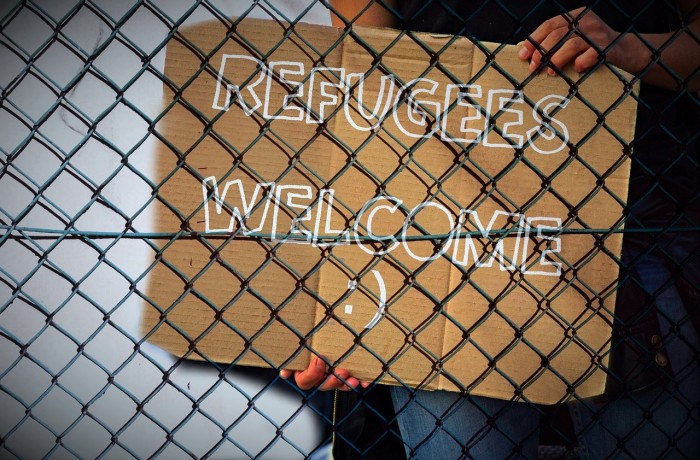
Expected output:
(86, 173)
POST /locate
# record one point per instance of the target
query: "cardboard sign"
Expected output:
(419, 209)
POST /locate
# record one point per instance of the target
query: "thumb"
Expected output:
(312, 375)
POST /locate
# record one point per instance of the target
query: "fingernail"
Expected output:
(319, 364)
(522, 54)
(550, 72)
(532, 66)
(364, 384)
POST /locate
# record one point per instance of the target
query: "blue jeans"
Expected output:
(442, 425)
(660, 421)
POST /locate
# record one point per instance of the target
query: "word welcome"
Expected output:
(312, 223)
(420, 108)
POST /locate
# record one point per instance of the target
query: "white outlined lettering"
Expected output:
(415, 107)
(310, 223)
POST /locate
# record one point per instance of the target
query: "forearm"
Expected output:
(363, 12)
(678, 62)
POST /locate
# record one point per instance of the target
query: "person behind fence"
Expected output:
(651, 407)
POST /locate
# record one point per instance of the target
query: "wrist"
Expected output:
(634, 54)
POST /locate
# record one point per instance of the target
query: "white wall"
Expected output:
(30, 290)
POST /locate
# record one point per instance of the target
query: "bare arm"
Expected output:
(363, 13)
(679, 51)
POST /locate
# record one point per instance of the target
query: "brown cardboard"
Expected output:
(269, 297)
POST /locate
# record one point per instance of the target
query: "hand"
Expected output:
(317, 374)
(584, 46)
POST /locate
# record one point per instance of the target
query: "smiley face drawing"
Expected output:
(382, 301)
(381, 307)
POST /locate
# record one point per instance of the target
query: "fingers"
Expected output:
(555, 36)
(313, 375)
(538, 36)
(568, 52)
(550, 42)
(586, 60)
(316, 375)
(340, 380)
(285, 373)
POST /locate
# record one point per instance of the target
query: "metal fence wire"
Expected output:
(81, 85)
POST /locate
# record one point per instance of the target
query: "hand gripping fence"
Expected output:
(83, 194)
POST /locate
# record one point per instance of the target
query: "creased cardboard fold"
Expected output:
(418, 209)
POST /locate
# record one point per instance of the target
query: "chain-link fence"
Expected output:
(105, 261)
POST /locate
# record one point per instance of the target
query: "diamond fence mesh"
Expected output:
(80, 191)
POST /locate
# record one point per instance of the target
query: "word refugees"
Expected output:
(419, 108)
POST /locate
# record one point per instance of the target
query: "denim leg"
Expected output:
(661, 422)
(446, 425)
